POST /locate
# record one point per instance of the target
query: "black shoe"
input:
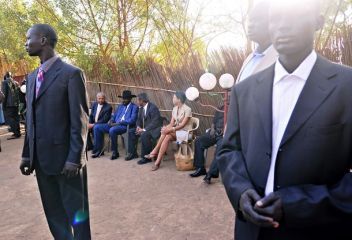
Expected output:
(97, 154)
(115, 156)
(144, 161)
(131, 156)
(207, 179)
(199, 172)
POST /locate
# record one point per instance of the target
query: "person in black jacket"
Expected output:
(10, 105)
(213, 137)
(55, 142)
(286, 155)
(100, 114)
(149, 125)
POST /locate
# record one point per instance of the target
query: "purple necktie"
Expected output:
(40, 79)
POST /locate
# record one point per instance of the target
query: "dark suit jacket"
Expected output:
(57, 119)
(104, 115)
(152, 120)
(10, 92)
(313, 165)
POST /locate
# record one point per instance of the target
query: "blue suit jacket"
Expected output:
(130, 116)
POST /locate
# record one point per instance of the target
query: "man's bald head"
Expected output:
(258, 23)
(292, 25)
(46, 31)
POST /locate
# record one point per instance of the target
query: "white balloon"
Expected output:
(226, 81)
(23, 88)
(192, 94)
(207, 81)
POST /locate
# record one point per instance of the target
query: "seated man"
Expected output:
(100, 114)
(212, 137)
(149, 125)
(124, 116)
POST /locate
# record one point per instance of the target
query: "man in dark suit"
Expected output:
(149, 125)
(286, 154)
(213, 137)
(124, 117)
(55, 142)
(100, 114)
(10, 105)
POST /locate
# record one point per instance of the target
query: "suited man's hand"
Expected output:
(70, 170)
(25, 167)
(270, 206)
(247, 201)
(139, 131)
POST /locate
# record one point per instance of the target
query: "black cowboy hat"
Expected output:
(127, 95)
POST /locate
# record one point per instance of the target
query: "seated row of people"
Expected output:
(143, 121)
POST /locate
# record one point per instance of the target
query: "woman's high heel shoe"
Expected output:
(151, 156)
(155, 167)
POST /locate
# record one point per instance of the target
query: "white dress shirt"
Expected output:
(145, 108)
(98, 112)
(123, 116)
(286, 91)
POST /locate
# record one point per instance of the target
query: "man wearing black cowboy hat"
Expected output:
(125, 115)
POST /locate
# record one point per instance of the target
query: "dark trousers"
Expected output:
(201, 144)
(148, 138)
(12, 118)
(90, 145)
(65, 203)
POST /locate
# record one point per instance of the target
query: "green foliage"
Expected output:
(109, 35)
(118, 36)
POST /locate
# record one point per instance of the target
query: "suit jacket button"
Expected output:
(281, 150)
(278, 187)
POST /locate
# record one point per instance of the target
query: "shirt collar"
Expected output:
(146, 106)
(303, 71)
(262, 54)
(128, 105)
(45, 66)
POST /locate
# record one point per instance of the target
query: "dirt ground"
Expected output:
(127, 201)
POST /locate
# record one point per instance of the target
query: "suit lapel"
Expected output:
(49, 77)
(317, 89)
(246, 61)
(101, 110)
(31, 87)
(148, 110)
(263, 98)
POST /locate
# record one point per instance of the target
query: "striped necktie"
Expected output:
(40, 80)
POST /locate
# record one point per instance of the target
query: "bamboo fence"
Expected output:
(160, 82)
